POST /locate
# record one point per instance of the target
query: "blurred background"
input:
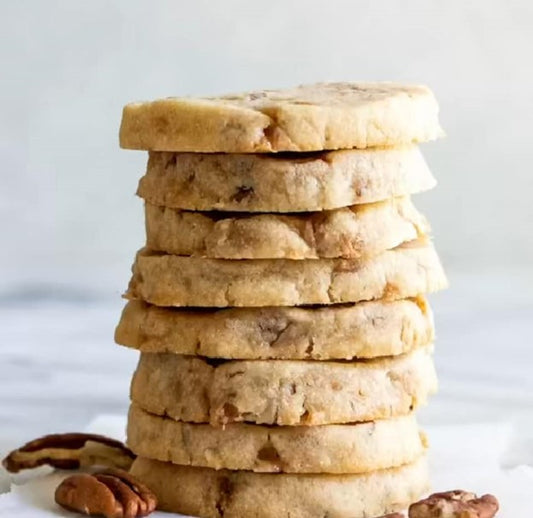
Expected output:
(70, 222)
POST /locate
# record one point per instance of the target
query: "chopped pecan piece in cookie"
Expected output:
(112, 493)
(455, 504)
(70, 451)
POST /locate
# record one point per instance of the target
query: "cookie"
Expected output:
(363, 330)
(356, 448)
(234, 494)
(306, 118)
(282, 392)
(172, 280)
(282, 183)
(357, 231)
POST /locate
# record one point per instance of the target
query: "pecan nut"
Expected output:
(70, 451)
(455, 504)
(112, 493)
(392, 515)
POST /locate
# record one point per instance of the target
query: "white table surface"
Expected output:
(59, 367)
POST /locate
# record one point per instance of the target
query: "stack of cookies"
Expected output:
(279, 302)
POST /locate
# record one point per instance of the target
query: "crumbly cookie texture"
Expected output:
(283, 183)
(282, 392)
(357, 231)
(233, 494)
(356, 448)
(171, 280)
(306, 118)
(363, 330)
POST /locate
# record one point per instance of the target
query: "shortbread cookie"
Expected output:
(363, 330)
(281, 183)
(361, 230)
(356, 448)
(172, 280)
(306, 118)
(236, 494)
(282, 392)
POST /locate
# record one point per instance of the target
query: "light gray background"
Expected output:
(70, 223)
(68, 214)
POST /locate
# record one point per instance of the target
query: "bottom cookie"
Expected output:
(208, 493)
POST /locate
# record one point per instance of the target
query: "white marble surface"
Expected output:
(59, 367)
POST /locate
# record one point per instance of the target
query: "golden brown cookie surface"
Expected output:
(234, 494)
(282, 392)
(363, 330)
(170, 280)
(283, 183)
(357, 231)
(357, 448)
(306, 118)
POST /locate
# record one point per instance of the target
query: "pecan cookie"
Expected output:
(172, 280)
(281, 183)
(234, 494)
(357, 231)
(363, 330)
(306, 118)
(282, 392)
(357, 448)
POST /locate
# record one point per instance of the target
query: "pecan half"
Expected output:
(455, 504)
(70, 451)
(112, 493)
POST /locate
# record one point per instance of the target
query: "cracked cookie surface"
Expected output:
(170, 280)
(363, 330)
(283, 183)
(234, 494)
(305, 118)
(357, 231)
(357, 448)
(282, 392)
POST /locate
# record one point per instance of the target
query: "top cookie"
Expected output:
(307, 118)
